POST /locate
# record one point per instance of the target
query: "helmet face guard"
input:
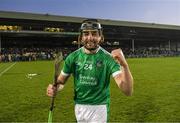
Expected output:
(90, 26)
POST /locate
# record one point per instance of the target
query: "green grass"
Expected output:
(156, 96)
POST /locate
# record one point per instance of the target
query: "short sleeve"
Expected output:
(115, 68)
(68, 65)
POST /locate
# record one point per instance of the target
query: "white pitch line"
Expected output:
(7, 69)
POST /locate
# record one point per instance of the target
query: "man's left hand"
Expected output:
(118, 55)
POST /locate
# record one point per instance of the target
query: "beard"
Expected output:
(91, 45)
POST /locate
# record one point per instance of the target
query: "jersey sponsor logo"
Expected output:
(87, 80)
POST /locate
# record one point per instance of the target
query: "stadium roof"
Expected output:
(49, 17)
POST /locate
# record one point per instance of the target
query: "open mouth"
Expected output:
(90, 44)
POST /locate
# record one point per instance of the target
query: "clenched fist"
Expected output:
(118, 55)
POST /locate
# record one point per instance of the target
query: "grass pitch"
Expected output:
(156, 96)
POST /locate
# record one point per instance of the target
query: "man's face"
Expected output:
(91, 39)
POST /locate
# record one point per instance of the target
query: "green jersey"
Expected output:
(91, 75)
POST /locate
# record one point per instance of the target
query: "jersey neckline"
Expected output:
(82, 49)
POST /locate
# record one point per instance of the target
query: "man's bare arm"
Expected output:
(124, 80)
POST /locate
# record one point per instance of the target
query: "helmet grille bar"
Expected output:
(91, 25)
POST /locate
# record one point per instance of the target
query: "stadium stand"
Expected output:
(27, 37)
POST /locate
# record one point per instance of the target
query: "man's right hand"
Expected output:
(51, 90)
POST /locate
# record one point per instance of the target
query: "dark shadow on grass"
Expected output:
(24, 112)
(144, 111)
